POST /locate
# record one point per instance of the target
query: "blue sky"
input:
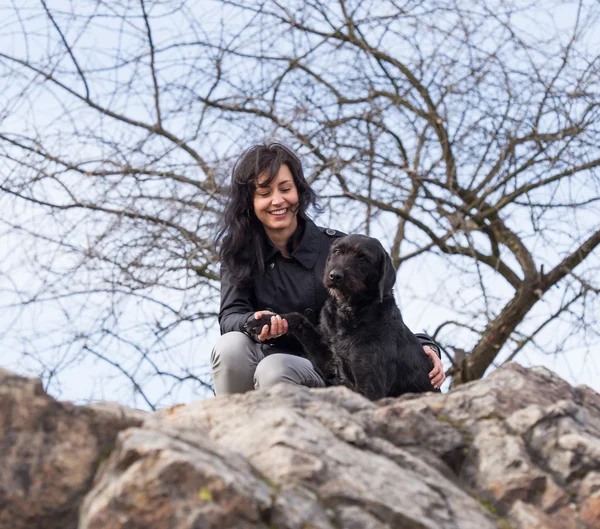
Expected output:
(428, 290)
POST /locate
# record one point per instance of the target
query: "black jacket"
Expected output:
(288, 285)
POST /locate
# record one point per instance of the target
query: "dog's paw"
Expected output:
(254, 326)
(295, 320)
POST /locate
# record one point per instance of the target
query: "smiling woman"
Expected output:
(272, 261)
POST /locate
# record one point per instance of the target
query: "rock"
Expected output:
(530, 443)
(589, 499)
(174, 479)
(517, 450)
(314, 442)
(526, 516)
(49, 452)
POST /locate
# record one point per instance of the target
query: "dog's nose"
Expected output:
(335, 275)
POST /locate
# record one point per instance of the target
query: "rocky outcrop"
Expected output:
(49, 453)
(530, 444)
(519, 449)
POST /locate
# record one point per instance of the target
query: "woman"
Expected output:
(272, 261)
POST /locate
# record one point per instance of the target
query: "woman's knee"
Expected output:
(233, 361)
(231, 348)
(270, 371)
(287, 368)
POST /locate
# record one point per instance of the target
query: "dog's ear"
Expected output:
(387, 275)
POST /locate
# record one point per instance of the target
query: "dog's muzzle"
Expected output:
(334, 277)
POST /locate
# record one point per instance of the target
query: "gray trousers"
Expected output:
(239, 364)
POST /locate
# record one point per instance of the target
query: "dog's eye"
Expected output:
(362, 258)
(336, 251)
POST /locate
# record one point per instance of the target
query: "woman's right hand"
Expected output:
(278, 326)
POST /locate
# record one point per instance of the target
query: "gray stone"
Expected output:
(518, 449)
(49, 452)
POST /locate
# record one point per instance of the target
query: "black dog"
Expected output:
(361, 338)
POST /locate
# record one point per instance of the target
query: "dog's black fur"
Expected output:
(361, 337)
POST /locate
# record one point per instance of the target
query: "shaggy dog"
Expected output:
(361, 338)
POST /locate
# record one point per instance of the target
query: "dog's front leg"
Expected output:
(371, 389)
(376, 384)
(314, 344)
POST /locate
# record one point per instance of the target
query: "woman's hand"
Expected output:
(278, 326)
(436, 375)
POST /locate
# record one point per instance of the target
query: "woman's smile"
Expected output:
(279, 212)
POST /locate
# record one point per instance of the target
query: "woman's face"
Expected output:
(275, 205)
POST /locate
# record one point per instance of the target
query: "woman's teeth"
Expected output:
(279, 212)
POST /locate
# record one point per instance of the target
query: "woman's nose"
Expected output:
(277, 197)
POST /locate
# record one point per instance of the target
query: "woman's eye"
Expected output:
(286, 190)
(265, 194)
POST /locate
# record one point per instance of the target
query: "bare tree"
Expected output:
(465, 135)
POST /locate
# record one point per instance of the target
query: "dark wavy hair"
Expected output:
(241, 233)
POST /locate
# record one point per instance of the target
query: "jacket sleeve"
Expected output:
(426, 340)
(236, 304)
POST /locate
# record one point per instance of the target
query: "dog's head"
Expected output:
(358, 266)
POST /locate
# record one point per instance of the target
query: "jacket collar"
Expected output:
(308, 248)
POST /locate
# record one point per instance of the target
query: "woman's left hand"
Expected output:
(278, 326)
(436, 375)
